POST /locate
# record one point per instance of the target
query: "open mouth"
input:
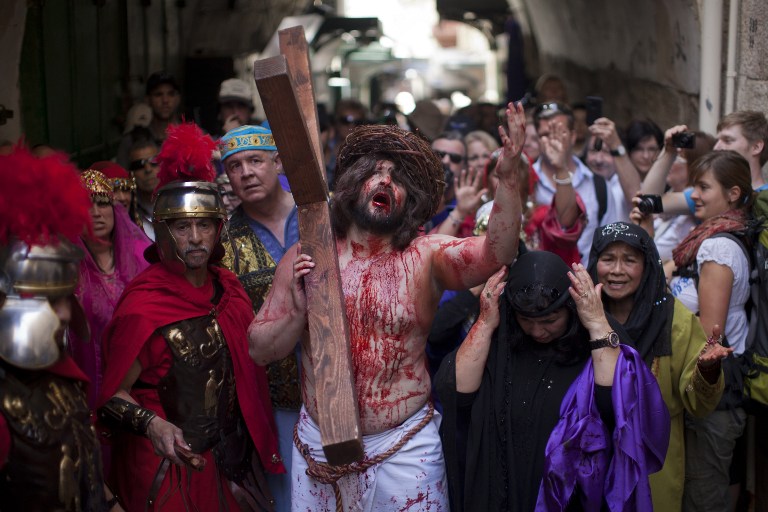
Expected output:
(381, 200)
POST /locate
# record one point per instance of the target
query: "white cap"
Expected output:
(140, 114)
(235, 89)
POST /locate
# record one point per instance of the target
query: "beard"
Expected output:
(379, 221)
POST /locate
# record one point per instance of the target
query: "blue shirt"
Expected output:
(271, 244)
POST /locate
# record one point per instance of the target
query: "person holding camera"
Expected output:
(712, 280)
(745, 132)
(667, 336)
(668, 229)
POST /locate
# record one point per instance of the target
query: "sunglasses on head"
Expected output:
(137, 165)
(347, 120)
(455, 157)
(550, 109)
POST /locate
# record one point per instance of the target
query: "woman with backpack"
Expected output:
(712, 280)
(668, 337)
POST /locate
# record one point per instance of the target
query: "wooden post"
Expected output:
(337, 411)
(294, 46)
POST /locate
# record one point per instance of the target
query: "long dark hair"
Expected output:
(349, 186)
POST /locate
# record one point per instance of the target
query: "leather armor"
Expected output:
(55, 459)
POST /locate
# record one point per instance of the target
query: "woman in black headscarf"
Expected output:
(667, 336)
(546, 383)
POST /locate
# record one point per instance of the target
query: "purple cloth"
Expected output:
(578, 449)
(99, 293)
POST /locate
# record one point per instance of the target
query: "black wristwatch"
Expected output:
(619, 151)
(609, 340)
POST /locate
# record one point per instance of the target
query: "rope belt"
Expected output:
(328, 474)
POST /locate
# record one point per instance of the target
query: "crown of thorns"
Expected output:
(411, 153)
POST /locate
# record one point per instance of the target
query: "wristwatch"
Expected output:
(619, 151)
(609, 340)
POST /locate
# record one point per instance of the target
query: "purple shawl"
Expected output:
(578, 449)
(98, 293)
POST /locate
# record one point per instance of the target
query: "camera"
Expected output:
(650, 203)
(686, 140)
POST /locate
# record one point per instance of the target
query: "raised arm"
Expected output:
(589, 306)
(473, 353)
(554, 145)
(461, 264)
(655, 180)
(469, 197)
(283, 317)
(629, 178)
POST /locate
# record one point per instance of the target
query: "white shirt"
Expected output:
(623, 207)
(670, 231)
(584, 185)
(723, 251)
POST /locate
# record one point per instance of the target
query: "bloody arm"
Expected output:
(461, 264)
(283, 318)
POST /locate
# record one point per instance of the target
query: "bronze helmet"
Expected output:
(179, 200)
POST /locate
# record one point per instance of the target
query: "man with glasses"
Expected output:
(555, 126)
(261, 229)
(452, 152)
(143, 169)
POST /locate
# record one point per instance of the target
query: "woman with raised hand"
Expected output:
(668, 337)
(562, 416)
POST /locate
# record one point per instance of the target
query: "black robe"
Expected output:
(510, 420)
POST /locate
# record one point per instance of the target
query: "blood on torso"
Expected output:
(390, 304)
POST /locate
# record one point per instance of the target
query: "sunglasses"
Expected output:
(136, 165)
(455, 157)
(550, 109)
(348, 120)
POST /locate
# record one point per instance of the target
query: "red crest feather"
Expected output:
(186, 155)
(41, 198)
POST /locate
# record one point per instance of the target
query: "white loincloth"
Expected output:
(413, 479)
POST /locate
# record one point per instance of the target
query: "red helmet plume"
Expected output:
(42, 198)
(186, 155)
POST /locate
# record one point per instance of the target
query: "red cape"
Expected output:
(158, 297)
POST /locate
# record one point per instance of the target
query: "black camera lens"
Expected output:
(685, 140)
(650, 204)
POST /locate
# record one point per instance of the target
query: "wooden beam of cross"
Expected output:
(337, 411)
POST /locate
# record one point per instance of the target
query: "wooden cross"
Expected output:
(285, 87)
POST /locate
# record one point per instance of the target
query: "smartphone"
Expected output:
(594, 106)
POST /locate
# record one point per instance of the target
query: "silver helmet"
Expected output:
(31, 335)
(183, 200)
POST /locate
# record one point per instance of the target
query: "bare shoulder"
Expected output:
(437, 242)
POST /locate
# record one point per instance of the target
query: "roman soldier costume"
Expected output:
(49, 453)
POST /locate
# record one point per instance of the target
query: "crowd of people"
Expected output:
(543, 315)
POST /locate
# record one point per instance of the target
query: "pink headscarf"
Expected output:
(99, 293)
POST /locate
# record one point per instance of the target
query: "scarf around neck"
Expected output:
(730, 221)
